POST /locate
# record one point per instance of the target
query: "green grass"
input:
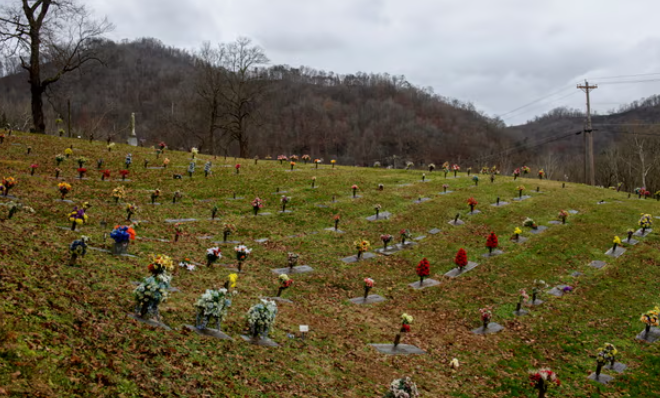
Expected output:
(65, 331)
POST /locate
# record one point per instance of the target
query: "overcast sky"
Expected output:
(497, 54)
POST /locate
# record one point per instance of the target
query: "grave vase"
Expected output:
(120, 248)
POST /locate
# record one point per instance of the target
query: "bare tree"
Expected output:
(51, 38)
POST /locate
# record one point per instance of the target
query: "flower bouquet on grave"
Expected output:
(59, 158)
(431, 167)
(529, 223)
(160, 265)
(81, 172)
(542, 379)
(77, 217)
(193, 152)
(185, 263)
(81, 161)
(122, 235)
(7, 184)
(630, 233)
(516, 174)
(409, 165)
(333, 162)
(523, 297)
(292, 164)
(150, 294)
(354, 188)
(166, 161)
(472, 202)
(361, 246)
(486, 315)
(405, 235)
(33, 168)
(469, 171)
(381, 187)
(516, 234)
(29, 149)
(207, 168)
(130, 210)
(484, 169)
(615, 243)
(176, 196)
(562, 215)
(238, 168)
(602, 358)
(284, 200)
(178, 231)
(336, 219)
(282, 158)
(212, 255)
(609, 353)
(538, 286)
(285, 283)
(118, 193)
(445, 168)
(520, 189)
(257, 204)
(64, 188)
(293, 158)
(645, 222)
(423, 177)
(541, 174)
(306, 158)
(214, 212)
(377, 209)
(317, 162)
(476, 180)
(57, 172)
(212, 304)
(494, 170)
(461, 259)
(292, 260)
(423, 270)
(13, 208)
(368, 285)
(491, 242)
(155, 195)
(123, 174)
(526, 170)
(242, 253)
(68, 152)
(231, 281)
(227, 230)
(386, 239)
(110, 146)
(313, 182)
(402, 388)
(78, 248)
(191, 168)
(161, 145)
(128, 161)
(260, 319)
(455, 168)
(406, 320)
(444, 188)
(105, 174)
(650, 318)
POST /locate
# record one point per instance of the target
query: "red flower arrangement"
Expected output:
(105, 174)
(81, 172)
(123, 174)
(541, 380)
(33, 167)
(461, 259)
(472, 202)
(238, 168)
(423, 270)
(491, 242)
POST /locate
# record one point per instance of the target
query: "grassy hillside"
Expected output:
(65, 332)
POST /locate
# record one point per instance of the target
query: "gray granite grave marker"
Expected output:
(615, 253)
(354, 259)
(264, 342)
(371, 299)
(300, 269)
(209, 332)
(493, 327)
(427, 283)
(401, 349)
(597, 264)
(457, 272)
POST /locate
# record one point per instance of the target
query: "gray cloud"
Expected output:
(498, 55)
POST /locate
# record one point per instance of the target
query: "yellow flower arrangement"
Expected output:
(232, 278)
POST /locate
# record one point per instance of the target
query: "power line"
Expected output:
(545, 104)
(630, 81)
(530, 146)
(624, 76)
(536, 100)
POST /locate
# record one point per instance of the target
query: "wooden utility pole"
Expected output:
(589, 131)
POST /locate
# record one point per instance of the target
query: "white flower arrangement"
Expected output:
(212, 304)
(261, 318)
(150, 294)
(191, 167)
(403, 388)
(187, 265)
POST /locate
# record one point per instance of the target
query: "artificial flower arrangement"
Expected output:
(293, 158)
(333, 162)
(405, 235)
(162, 145)
(214, 211)
(461, 259)
(191, 168)
(445, 168)
(562, 215)
(77, 217)
(609, 353)
(160, 265)
(166, 161)
(650, 318)
(212, 304)
(33, 168)
(431, 167)
(529, 223)
(292, 260)
(81, 160)
(516, 234)
(520, 189)
(207, 168)
(541, 174)
(536, 289)
(386, 239)
(123, 174)
(475, 178)
(78, 248)
(231, 281)
(526, 170)
(423, 270)
(13, 208)
(313, 182)
(541, 379)
(227, 230)
(122, 235)
(285, 283)
(377, 209)
(194, 151)
(630, 233)
(153, 290)
(130, 210)
(257, 204)
(110, 146)
(516, 174)
(472, 202)
(491, 242)
(81, 172)
(155, 194)
(212, 255)
(68, 152)
(261, 318)
(59, 158)
(406, 320)
(523, 297)
(368, 285)
(176, 196)
(444, 188)
(57, 172)
(118, 193)
(64, 188)
(185, 263)
(29, 149)
(354, 188)
(317, 162)
(242, 253)
(282, 158)
(361, 246)
(105, 174)
(645, 222)
(178, 231)
(336, 219)
(284, 200)
(603, 356)
(306, 158)
(615, 243)
(238, 168)
(486, 315)
(292, 164)
(455, 168)
(8, 183)
(402, 388)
